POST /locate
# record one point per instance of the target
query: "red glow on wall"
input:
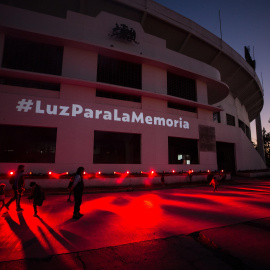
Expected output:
(147, 182)
(119, 180)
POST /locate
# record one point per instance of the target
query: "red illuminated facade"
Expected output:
(117, 86)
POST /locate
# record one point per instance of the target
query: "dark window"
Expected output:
(216, 117)
(245, 128)
(32, 56)
(119, 72)
(242, 125)
(30, 83)
(27, 144)
(230, 120)
(183, 151)
(119, 96)
(181, 87)
(117, 148)
(182, 107)
(50, 7)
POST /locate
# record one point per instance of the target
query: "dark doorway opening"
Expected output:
(226, 157)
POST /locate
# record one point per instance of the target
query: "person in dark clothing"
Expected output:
(17, 181)
(38, 195)
(77, 188)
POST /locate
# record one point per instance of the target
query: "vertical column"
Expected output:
(260, 146)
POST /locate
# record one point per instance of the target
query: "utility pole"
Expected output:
(260, 146)
(220, 28)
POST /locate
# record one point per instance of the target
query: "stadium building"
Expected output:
(119, 85)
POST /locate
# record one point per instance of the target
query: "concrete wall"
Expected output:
(246, 157)
(83, 38)
(233, 107)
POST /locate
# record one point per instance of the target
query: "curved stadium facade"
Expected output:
(121, 85)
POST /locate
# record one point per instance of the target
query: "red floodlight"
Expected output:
(60, 174)
(127, 172)
(50, 173)
(11, 173)
(173, 171)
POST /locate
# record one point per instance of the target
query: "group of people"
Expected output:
(37, 194)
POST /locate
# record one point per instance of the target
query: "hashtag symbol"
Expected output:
(24, 105)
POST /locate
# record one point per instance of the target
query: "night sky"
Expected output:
(243, 23)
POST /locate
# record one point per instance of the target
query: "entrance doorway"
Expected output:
(225, 156)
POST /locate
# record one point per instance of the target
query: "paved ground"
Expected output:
(183, 228)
